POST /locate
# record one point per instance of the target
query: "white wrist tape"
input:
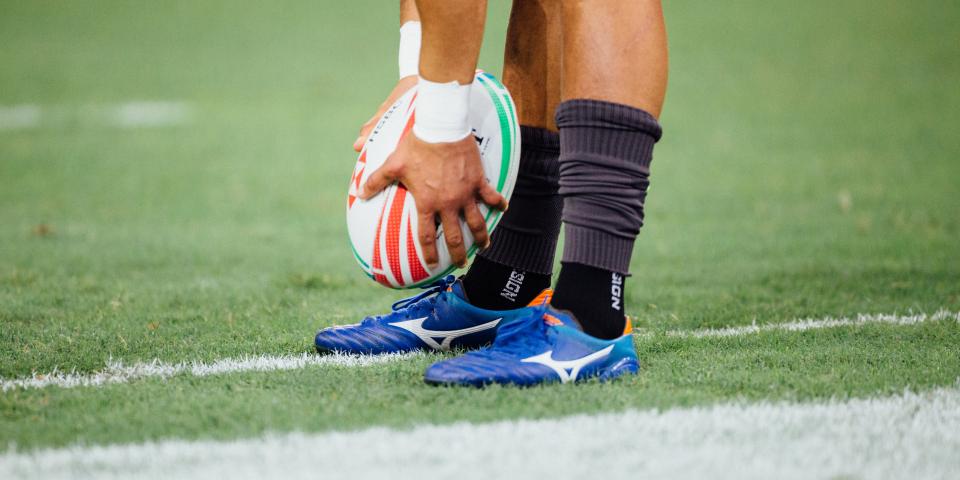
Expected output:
(409, 58)
(443, 111)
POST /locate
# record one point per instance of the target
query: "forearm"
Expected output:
(410, 39)
(408, 11)
(452, 35)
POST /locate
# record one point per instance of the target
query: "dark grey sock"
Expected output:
(606, 149)
(605, 154)
(526, 237)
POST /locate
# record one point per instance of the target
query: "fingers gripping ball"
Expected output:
(384, 230)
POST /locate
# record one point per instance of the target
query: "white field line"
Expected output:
(116, 372)
(912, 435)
(818, 323)
(125, 115)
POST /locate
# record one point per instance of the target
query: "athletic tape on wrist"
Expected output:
(443, 111)
(409, 56)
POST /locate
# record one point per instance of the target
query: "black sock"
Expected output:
(519, 263)
(594, 296)
(526, 237)
(494, 286)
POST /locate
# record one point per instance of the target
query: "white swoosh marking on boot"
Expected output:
(429, 337)
(568, 369)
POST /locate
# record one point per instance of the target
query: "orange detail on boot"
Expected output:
(543, 297)
(628, 329)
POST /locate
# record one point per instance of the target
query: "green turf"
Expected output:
(808, 168)
(677, 372)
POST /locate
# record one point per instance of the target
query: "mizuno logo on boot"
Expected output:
(568, 370)
(441, 339)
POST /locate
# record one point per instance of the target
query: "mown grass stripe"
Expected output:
(911, 435)
(18, 117)
(124, 115)
(117, 372)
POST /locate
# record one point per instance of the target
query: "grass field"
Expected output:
(172, 180)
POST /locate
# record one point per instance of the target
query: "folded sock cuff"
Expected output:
(529, 253)
(583, 112)
(604, 175)
(526, 238)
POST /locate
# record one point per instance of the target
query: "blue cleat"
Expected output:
(545, 346)
(439, 318)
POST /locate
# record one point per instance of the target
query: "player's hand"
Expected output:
(405, 83)
(446, 180)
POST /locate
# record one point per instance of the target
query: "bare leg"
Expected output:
(615, 51)
(531, 63)
(519, 262)
(614, 76)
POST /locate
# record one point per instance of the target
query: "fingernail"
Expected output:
(357, 141)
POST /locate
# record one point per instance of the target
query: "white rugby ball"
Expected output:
(383, 229)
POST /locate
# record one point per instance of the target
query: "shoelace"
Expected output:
(524, 333)
(437, 287)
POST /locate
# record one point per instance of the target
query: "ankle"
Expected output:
(494, 286)
(594, 296)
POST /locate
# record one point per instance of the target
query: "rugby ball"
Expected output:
(383, 229)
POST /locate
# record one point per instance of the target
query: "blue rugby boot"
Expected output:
(547, 345)
(440, 318)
